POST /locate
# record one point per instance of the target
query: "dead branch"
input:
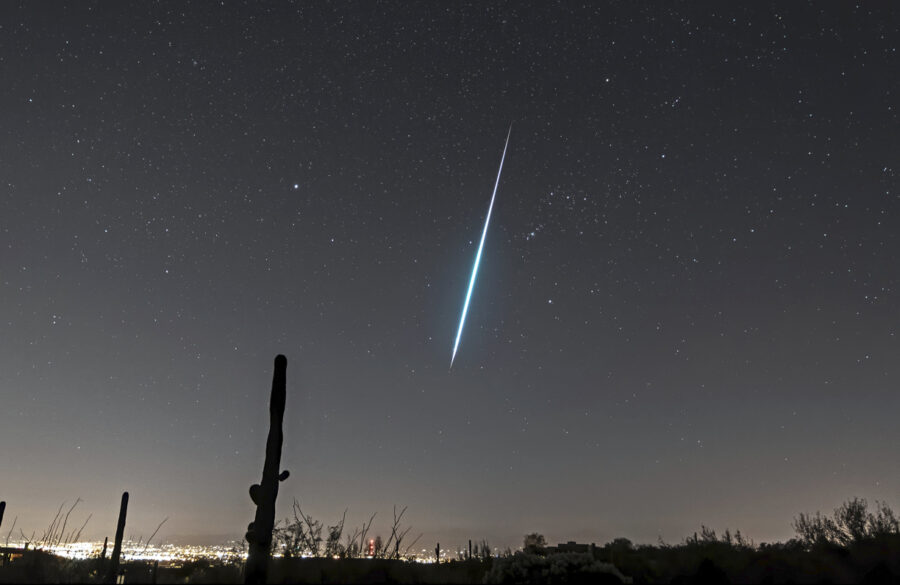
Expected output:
(66, 521)
(154, 533)
(312, 536)
(26, 539)
(78, 534)
(350, 548)
(396, 536)
(363, 533)
(333, 543)
(412, 544)
(48, 534)
(8, 534)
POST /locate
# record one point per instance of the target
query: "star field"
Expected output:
(686, 310)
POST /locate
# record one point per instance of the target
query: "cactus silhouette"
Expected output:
(263, 494)
(117, 548)
(101, 560)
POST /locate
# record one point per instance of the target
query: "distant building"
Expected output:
(571, 547)
(9, 554)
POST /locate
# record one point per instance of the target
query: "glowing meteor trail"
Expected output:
(487, 220)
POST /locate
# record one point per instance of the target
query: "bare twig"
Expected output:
(350, 548)
(396, 536)
(8, 534)
(154, 532)
(77, 536)
(66, 521)
(412, 544)
(313, 533)
(47, 537)
(363, 533)
(333, 542)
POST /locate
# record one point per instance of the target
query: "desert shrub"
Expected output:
(524, 567)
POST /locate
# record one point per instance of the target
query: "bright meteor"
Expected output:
(487, 220)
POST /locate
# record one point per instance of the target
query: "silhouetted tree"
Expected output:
(379, 547)
(884, 522)
(814, 530)
(534, 542)
(617, 549)
(483, 549)
(263, 494)
(850, 523)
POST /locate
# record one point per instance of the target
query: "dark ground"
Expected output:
(874, 560)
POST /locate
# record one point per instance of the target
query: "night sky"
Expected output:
(686, 311)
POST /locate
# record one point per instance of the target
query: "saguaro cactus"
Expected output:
(263, 494)
(101, 560)
(117, 548)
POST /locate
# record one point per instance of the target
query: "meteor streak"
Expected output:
(487, 220)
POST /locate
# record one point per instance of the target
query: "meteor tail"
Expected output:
(487, 220)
